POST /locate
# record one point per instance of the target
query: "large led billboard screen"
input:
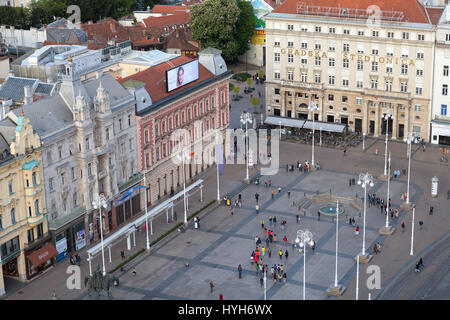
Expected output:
(181, 75)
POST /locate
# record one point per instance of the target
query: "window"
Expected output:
(345, 82)
(345, 63)
(290, 27)
(304, 28)
(332, 30)
(359, 84)
(87, 143)
(317, 78)
(374, 33)
(330, 97)
(317, 61)
(60, 152)
(318, 29)
(304, 45)
(421, 37)
(73, 173)
(277, 91)
(120, 124)
(34, 179)
(420, 55)
(291, 75)
(49, 157)
(317, 46)
(360, 33)
(375, 51)
(331, 62)
(36, 207)
(359, 101)
(444, 89)
(89, 170)
(1, 223)
(419, 72)
(146, 139)
(388, 69)
(443, 113)
(447, 37)
(446, 71)
(331, 80)
(344, 98)
(304, 77)
(388, 85)
(374, 83)
(107, 134)
(30, 235)
(304, 61)
(62, 179)
(74, 199)
(40, 230)
(277, 57)
(403, 86)
(417, 107)
(276, 43)
(374, 66)
(290, 58)
(290, 44)
(404, 69)
(30, 212)
(50, 184)
(129, 120)
(10, 187)
(13, 216)
(419, 90)
(157, 128)
(346, 47)
(390, 35)
(405, 35)
(276, 75)
(157, 153)
(359, 65)
(346, 31)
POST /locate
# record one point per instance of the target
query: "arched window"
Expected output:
(34, 178)
(13, 216)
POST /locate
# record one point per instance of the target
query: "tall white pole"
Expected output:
(146, 215)
(364, 222)
(312, 159)
(412, 233)
(101, 236)
(388, 182)
(246, 150)
(320, 136)
(265, 284)
(357, 277)
(304, 270)
(218, 184)
(364, 136)
(385, 151)
(184, 188)
(409, 170)
(337, 235)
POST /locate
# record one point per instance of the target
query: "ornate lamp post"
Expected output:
(313, 108)
(304, 238)
(245, 119)
(387, 229)
(365, 180)
(99, 203)
(409, 140)
(183, 156)
(387, 116)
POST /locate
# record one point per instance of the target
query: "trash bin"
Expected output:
(434, 186)
(196, 224)
(116, 281)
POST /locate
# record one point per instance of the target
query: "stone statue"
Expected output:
(98, 282)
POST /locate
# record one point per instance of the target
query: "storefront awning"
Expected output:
(324, 126)
(42, 255)
(286, 122)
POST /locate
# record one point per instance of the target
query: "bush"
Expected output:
(230, 86)
(241, 76)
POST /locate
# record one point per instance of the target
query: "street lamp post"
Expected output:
(365, 180)
(357, 277)
(364, 138)
(304, 238)
(387, 229)
(313, 108)
(387, 116)
(265, 284)
(336, 289)
(409, 140)
(320, 136)
(245, 119)
(182, 156)
(99, 203)
(412, 232)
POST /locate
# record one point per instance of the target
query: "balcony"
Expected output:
(302, 85)
(442, 118)
(102, 174)
(388, 94)
(33, 221)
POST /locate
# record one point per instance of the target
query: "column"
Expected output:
(365, 127)
(2, 284)
(395, 122)
(294, 104)
(21, 267)
(407, 111)
(283, 102)
(377, 119)
(322, 109)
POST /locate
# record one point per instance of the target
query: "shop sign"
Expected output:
(80, 240)
(61, 248)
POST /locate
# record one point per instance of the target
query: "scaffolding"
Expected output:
(372, 12)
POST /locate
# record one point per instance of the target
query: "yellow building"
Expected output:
(25, 247)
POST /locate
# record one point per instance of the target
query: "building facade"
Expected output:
(24, 239)
(440, 115)
(198, 108)
(354, 67)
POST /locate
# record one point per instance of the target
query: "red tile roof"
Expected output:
(412, 9)
(168, 21)
(169, 9)
(155, 78)
(181, 39)
(104, 30)
(434, 14)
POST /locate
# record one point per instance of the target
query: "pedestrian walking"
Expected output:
(293, 244)
(286, 254)
(284, 277)
(256, 197)
(274, 278)
(240, 271)
(270, 253)
(265, 233)
(211, 286)
(280, 253)
(279, 189)
(274, 220)
(262, 223)
(350, 182)
(257, 208)
(220, 297)
(318, 215)
(448, 194)
(122, 254)
(273, 193)
(420, 263)
(289, 194)
(231, 210)
(403, 226)
(431, 210)
(54, 297)
(134, 272)
(263, 250)
(270, 221)
(357, 230)
(345, 151)
(420, 225)
(275, 238)
(313, 246)
(285, 240)
(261, 282)
(297, 217)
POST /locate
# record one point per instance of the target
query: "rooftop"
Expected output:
(168, 21)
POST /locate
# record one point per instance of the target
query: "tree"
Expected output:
(223, 24)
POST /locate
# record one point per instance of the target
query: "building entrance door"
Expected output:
(358, 125)
(401, 130)
(383, 126)
(303, 116)
(276, 112)
(330, 119)
(371, 127)
(289, 114)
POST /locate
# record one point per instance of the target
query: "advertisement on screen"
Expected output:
(61, 248)
(181, 75)
(80, 240)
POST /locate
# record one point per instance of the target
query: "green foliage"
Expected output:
(236, 89)
(230, 86)
(15, 16)
(260, 73)
(249, 81)
(223, 24)
(241, 76)
(255, 101)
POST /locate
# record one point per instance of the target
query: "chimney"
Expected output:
(28, 98)
(148, 8)
(5, 108)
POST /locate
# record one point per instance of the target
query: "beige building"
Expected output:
(356, 66)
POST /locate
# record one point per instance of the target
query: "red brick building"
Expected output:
(199, 107)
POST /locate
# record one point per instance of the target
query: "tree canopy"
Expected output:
(223, 24)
